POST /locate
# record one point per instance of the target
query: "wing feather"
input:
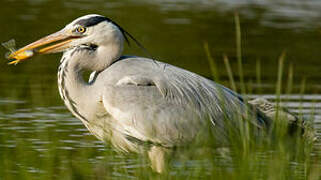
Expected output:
(164, 104)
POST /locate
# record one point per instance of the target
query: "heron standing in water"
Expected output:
(137, 104)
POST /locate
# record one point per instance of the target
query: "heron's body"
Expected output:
(138, 99)
(134, 101)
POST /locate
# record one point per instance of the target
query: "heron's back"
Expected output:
(160, 103)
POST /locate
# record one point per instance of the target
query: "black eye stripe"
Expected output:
(92, 21)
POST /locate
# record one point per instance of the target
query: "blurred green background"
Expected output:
(39, 138)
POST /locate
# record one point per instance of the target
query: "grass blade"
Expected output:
(290, 80)
(212, 63)
(229, 72)
(239, 52)
(279, 78)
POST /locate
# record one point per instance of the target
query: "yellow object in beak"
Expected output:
(53, 43)
(22, 56)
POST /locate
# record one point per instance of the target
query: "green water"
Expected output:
(39, 138)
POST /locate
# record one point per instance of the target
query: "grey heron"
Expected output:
(133, 101)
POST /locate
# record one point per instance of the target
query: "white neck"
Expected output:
(74, 91)
(78, 95)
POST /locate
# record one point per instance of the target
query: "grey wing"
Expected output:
(163, 104)
(142, 113)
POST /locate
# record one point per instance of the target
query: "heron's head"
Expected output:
(90, 32)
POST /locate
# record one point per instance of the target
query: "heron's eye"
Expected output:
(80, 29)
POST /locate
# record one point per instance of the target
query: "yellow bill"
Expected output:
(55, 42)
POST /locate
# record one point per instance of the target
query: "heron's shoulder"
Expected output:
(133, 60)
(143, 65)
(155, 70)
(127, 57)
(129, 65)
